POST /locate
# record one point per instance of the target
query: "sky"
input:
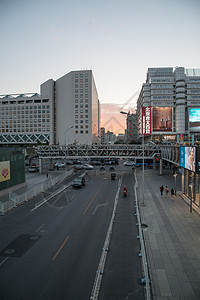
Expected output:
(117, 39)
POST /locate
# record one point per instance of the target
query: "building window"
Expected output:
(86, 74)
(76, 75)
(76, 131)
(86, 131)
(81, 131)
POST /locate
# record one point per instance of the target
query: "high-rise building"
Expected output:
(174, 98)
(66, 111)
(132, 129)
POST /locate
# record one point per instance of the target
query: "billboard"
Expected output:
(146, 120)
(188, 157)
(194, 119)
(198, 160)
(162, 119)
(4, 171)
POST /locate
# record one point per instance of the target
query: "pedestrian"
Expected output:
(47, 175)
(166, 191)
(172, 192)
(161, 189)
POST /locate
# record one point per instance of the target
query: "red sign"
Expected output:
(146, 120)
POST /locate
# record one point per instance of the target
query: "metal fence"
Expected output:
(16, 200)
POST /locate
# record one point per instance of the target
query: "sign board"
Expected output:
(162, 119)
(194, 119)
(188, 158)
(4, 171)
(146, 120)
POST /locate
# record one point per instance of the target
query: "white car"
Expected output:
(129, 163)
(88, 167)
(60, 164)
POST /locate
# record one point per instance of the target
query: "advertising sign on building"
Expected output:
(188, 158)
(198, 160)
(4, 171)
(194, 119)
(162, 119)
(146, 120)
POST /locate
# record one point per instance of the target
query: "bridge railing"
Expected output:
(169, 153)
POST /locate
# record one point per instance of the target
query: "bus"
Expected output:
(147, 162)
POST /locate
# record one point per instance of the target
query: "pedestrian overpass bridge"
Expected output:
(169, 153)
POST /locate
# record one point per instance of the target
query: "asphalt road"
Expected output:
(54, 252)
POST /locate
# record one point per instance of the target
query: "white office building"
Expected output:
(66, 111)
(174, 98)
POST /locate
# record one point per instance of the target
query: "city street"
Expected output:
(54, 252)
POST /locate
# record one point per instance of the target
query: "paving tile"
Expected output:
(173, 242)
(164, 288)
(169, 268)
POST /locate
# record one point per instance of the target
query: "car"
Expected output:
(33, 169)
(78, 167)
(78, 182)
(113, 176)
(95, 162)
(60, 164)
(129, 163)
(87, 167)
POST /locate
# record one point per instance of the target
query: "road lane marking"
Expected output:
(3, 261)
(99, 205)
(93, 198)
(60, 248)
(40, 228)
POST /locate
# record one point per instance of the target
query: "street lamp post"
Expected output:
(175, 175)
(191, 185)
(65, 134)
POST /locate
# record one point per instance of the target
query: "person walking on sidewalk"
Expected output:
(161, 189)
(172, 192)
(166, 191)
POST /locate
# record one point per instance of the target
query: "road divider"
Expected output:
(100, 270)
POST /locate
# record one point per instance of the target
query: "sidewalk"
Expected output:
(172, 240)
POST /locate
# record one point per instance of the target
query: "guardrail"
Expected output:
(16, 200)
(146, 279)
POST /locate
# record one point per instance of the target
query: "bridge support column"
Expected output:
(40, 165)
(51, 164)
(161, 166)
